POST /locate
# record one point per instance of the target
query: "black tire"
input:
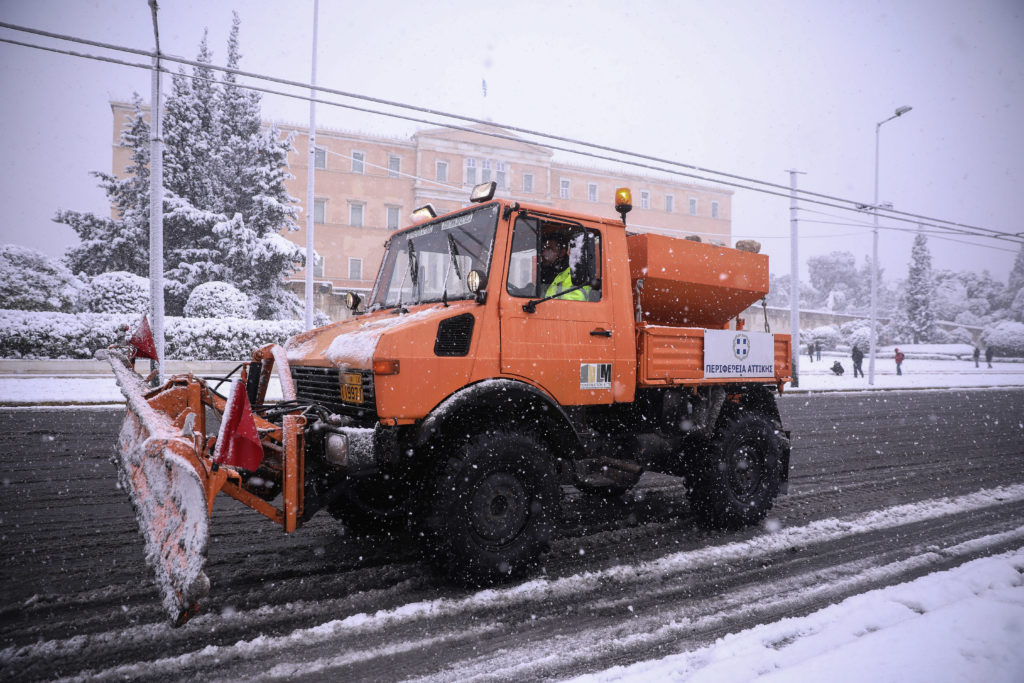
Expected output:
(737, 480)
(494, 508)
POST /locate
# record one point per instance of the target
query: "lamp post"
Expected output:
(900, 111)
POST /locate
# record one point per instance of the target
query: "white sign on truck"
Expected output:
(732, 353)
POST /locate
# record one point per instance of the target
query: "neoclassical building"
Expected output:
(365, 187)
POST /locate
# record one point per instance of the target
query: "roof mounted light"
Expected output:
(484, 192)
(623, 202)
(423, 214)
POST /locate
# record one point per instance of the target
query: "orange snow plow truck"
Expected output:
(506, 350)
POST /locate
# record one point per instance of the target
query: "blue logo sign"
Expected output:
(741, 346)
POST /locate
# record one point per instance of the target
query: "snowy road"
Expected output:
(885, 487)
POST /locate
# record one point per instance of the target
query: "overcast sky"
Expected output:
(749, 88)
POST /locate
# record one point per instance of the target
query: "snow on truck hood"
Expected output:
(354, 341)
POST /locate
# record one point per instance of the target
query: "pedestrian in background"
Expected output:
(977, 355)
(988, 355)
(858, 357)
(810, 351)
(817, 349)
(899, 362)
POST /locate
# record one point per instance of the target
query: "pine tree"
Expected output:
(919, 296)
(1014, 292)
(121, 243)
(225, 202)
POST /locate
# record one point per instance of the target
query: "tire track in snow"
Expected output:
(345, 634)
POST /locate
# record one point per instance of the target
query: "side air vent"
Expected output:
(454, 335)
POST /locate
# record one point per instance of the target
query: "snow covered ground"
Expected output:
(965, 624)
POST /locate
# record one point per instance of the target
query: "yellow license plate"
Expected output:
(352, 387)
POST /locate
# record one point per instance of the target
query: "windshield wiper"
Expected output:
(411, 272)
(453, 252)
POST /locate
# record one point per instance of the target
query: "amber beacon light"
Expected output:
(623, 202)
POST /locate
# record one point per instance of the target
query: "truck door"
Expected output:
(567, 343)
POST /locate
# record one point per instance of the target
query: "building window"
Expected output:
(441, 172)
(393, 217)
(470, 172)
(669, 203)
(592, 192)
(358, 162)
(501, 174)
(355, 215)
(645, 199)
(714, 209)
(693, 206)
(319, 157)
(394, 166)
(355, 268)
(485, 171)
(319, 210)
(528, 183)
(318, 265)
(563, 188)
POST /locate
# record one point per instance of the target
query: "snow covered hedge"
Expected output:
(28, 334)
(116, 292)
(1006, 338)
(32, 281)
(217, 300)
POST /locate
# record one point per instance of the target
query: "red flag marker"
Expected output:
(142, 342)
(238, 443)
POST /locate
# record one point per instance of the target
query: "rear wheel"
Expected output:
(494, 507)
(737, 481)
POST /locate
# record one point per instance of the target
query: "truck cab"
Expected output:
(507, 349)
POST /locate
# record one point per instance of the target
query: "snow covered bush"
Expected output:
(217, 300)
(117, 292)
(28, 334)
(826, 335)
(1006, 337)
(856, 333)
(32, 281)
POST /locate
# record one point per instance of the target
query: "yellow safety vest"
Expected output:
(562, 282)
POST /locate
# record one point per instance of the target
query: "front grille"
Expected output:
(323, 386)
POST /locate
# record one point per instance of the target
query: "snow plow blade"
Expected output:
(158, 465)
(166, 463)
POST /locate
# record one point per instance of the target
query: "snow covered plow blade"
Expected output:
(172, 470)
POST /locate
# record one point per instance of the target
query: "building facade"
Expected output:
(366, 187)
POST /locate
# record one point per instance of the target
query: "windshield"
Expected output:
(430, 262)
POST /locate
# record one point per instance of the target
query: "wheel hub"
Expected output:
(745, 475)
(499, 508)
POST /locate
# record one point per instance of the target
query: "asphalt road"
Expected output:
(625, 581)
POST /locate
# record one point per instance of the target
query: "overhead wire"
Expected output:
(730, 179)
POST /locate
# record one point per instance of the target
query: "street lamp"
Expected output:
(900, 111)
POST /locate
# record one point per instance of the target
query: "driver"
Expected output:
(555, 274)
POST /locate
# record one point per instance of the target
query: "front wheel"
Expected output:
(494, 507)
(737, 481)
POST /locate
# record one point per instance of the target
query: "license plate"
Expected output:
(352, 387)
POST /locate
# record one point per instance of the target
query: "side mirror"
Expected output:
(477, 283)
(352, 301)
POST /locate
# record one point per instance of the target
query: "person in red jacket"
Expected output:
(899, 362)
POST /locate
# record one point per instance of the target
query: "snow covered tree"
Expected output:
(1015, 287)
(120, 243)
(225, 202)
(919, 296)
(32, 281)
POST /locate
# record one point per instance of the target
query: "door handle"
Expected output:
(599, 332)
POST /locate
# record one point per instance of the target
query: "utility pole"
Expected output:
(156, 207)
(794, 278)
(310, 197)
